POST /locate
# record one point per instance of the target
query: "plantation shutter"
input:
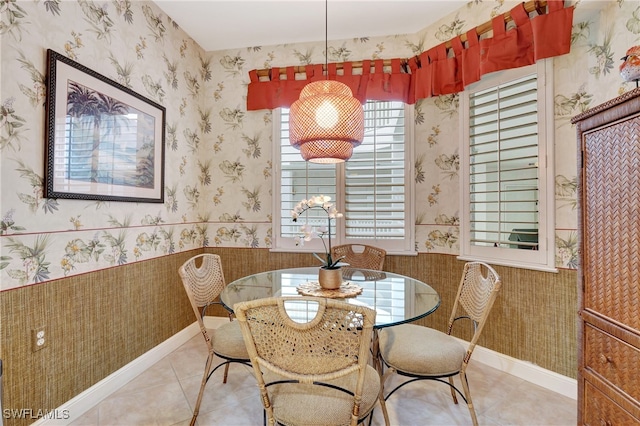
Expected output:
(503, 160)
(372, 189)
(375, 176)
(301, 180)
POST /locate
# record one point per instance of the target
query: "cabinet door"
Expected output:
(613, 361)
(611, 220)
(600, 410)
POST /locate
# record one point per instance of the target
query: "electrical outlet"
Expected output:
(39, 338)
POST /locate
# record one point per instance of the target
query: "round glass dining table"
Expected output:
(396, 298)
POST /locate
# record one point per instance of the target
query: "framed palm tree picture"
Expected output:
(103, 140)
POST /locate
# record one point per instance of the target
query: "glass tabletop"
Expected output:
(396, 298)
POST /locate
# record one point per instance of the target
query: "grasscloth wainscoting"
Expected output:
(98, 322)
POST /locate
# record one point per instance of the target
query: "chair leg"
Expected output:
(205, 377)
(467, 394)
(453, 390)
(383, 406)
(383, 380)
(226, 371)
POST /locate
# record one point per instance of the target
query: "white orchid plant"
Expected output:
(308, 232)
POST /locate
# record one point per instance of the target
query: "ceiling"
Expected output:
(231, 24)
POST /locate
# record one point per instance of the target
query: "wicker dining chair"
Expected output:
(311, 372)
(203, 284)
(360, 256)
(422, 353)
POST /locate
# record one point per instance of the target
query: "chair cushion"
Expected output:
(420, 350)
(228, 342)
(306, 404)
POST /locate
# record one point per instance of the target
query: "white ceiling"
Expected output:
(231, 24)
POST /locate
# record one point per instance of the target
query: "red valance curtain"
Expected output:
(379, 84)
(444, 69)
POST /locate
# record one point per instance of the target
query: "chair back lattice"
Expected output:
(369, 258)
(478, 290)
(332, 344)
(205, 282)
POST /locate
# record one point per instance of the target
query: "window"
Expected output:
(507, 188)
(374, 189)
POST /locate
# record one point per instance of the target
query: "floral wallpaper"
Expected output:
(218, 166)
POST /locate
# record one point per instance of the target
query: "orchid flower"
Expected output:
(308, 232)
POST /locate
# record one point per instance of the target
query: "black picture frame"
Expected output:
(103, 140)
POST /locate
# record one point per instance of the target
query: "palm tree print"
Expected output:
(232, 64)
(172, 200)
(205, 172)
(303, 57)
(580, 31)
(193, 85)
(205, 120)
(154, 88)
(567, 251)
(97, 124)
(340, 54)
(154, 23)
(566, 191)
(232, 170)
(443, 219)
(35, 93)
(49, 205)
(633, 24)
(604, 56)
(574, 103)
(193, 140)
(205, 68)
(419, 169)
(445, 32)
(253, 146)
(123, 71)
(10, 126)
(98, 18)
(14, 14)
(52, 6)
(171, 75)
(251, 236)
(123, 7)
(35, 268)
(449, 164)
(232, 117)
(416, 48)
(172, 138)
(253, 199)
(438, 238)
(8, 224)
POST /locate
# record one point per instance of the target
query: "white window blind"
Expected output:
(375, 178)
(507, 188)
(371, 188)
(301, 180)
(503, 181)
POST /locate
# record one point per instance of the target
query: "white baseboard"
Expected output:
(83, 402)
(525, 370)
(88, 399)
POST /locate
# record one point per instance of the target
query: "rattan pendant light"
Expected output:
(326, 122)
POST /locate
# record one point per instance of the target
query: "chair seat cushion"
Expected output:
(312, 405)
(420, 350)
(227, 341)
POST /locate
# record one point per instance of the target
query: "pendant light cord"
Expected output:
(326, 39)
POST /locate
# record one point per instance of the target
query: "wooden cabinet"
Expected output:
(609, 272)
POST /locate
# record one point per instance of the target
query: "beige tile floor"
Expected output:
(166, 393)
